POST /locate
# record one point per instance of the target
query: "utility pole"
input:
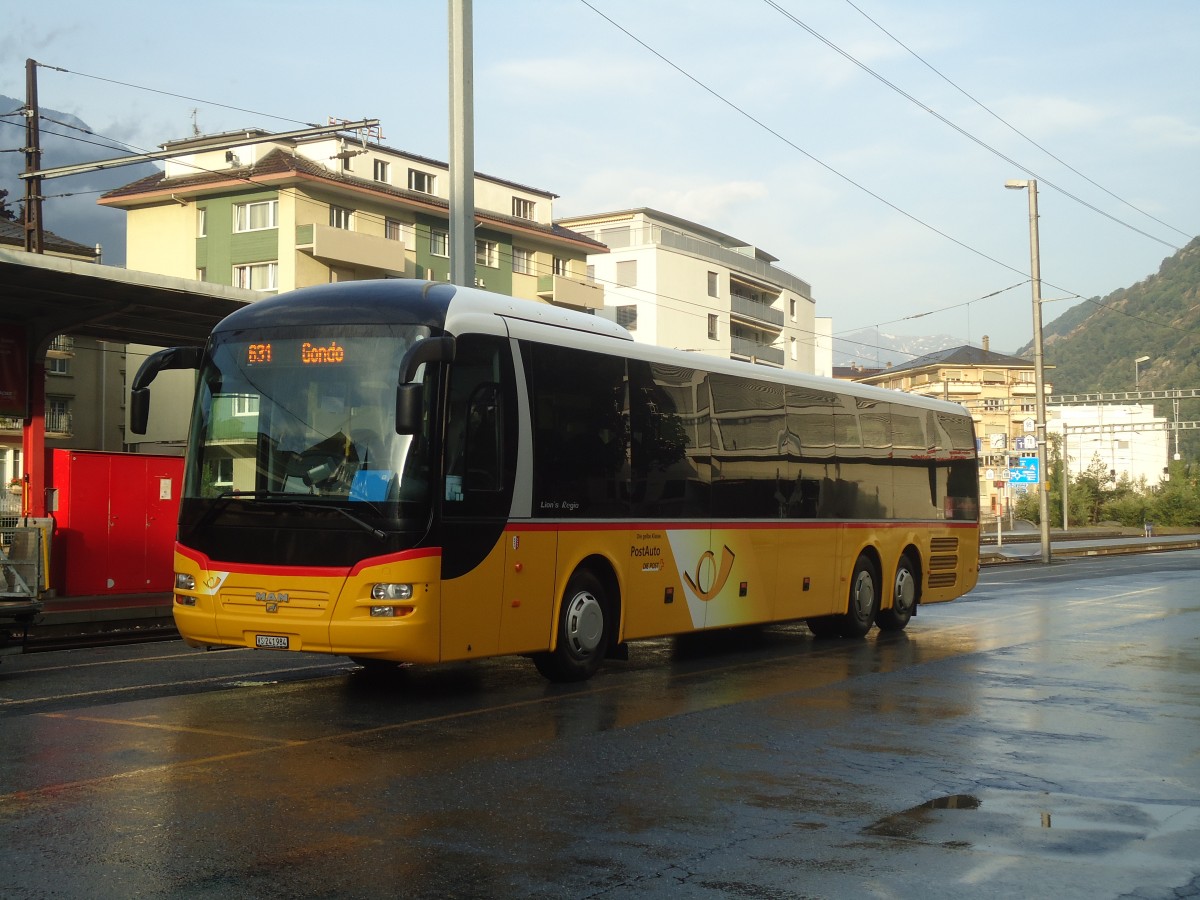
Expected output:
(462, 146)
(1038, 363)
(33, 163)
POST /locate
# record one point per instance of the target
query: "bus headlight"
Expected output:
(184, 581)
(391, 591)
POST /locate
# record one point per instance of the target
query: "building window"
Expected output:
(795, 350)
(58, 415)
(560, 266)
(522, 208)
(992, 404)
(257, 276)
(712, 326)
(421, 181)
(58, 366)
(522, 261)
(245, 405)
(792, 308)
(487, 253)
(439, 242)
(201, 222)
(627, 317)
(627, 273)
(341, 217)
(256, 216)
(381, 170)
(222, 475)
(393, 229)
(713, 285)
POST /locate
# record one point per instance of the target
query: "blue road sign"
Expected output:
(1026, 473)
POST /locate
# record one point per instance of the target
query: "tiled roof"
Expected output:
(965, 355)
(13, 234)
(279, 163)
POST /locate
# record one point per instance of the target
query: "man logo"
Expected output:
(271, 599)
(705, 570)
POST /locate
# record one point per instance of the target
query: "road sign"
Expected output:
(1026, 473)
(1030, 426)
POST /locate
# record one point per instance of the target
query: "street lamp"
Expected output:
(1136, 371)
(1039, 373)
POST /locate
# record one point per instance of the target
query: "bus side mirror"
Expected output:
(139, 392)
(409, 406)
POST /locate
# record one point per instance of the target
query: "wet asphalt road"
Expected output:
(1040, 737)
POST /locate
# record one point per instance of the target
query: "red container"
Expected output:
(115, 523)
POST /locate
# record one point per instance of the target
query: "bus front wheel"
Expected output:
(583, 632)
(905, 591)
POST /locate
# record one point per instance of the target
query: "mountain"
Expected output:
(1093, 345)
(65, 141)
(875, 349)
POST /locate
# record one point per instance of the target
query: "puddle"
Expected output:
(906, 824)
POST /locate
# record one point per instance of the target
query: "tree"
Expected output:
(6, 212)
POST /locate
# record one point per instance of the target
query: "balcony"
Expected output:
(61, 347)
(756, 311)
(58, 423)
(741, 348)
(339, 246)
(564, 291)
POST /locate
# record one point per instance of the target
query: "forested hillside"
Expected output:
(1092, 346)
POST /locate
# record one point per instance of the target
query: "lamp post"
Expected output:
(1137, 371)
(1039, 374)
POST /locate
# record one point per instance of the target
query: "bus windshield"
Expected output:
(306, 417)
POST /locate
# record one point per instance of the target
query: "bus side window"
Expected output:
(477, 451)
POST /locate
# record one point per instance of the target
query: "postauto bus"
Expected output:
(406, 471)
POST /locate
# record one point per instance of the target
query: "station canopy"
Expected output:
(50, 295)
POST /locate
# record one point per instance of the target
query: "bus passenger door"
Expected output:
(479, 462)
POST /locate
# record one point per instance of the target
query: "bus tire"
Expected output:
(584, 630)
(863, 603)
(824, 626)
(906, 591)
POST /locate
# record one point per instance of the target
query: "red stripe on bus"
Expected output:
(204, 562)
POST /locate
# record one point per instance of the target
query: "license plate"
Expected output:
(271, 641)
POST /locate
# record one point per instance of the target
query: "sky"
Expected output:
(864, 143)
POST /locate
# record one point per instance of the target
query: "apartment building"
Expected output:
(675, 283)
(1001, 393)
(243, 209)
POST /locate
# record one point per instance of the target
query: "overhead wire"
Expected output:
(1012, 127)
(729, 103)
(968, 135)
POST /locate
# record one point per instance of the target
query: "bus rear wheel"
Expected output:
(906, 590)
(584, 626)
(863, 603)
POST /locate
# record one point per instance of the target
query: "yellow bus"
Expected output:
(405, 471)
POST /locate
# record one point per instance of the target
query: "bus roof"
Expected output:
(458, 310)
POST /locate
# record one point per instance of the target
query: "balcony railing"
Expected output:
(750, 350)
(756, 310)
(58, 422)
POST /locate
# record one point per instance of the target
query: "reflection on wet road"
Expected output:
(1039, 736)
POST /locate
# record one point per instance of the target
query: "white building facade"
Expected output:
(675, 283)
(1130, 440)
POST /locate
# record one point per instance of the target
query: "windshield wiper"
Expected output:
(364, 525)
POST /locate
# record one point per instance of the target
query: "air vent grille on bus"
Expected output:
(943, 562)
